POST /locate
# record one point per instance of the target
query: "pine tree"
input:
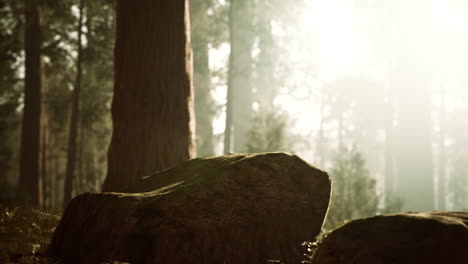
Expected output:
(354, 191)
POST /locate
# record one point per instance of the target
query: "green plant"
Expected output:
(268, 133)
(25, 231)
(354, 191)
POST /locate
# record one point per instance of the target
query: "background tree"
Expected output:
(30, 133)
(204, 105)
(239, 96)
(11, 88)
(338, 71)
(268, 133)
(412, 71)
(75, 114)
(152, 103)
(354, 193)
(95, 121)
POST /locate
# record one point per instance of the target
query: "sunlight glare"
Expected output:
(342, 46)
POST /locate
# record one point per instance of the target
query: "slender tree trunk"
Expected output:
(442, 179)
(58, 180)
(44, 177)
(320, 141)
(30, 133)
(152, 108)
(204, 105)
(81, 171)
(239, 101)
(52, 176)
(265, 68)
(228, 129)
(340, 131)
(75, 112)
(389, 177)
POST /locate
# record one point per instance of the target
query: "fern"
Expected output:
(25, 232)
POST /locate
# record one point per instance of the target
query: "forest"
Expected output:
(96, 94)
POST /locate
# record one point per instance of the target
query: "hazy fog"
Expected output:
(387, 77)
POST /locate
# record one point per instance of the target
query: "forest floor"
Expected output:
(25, 234)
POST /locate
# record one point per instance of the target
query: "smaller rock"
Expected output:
(432, 237)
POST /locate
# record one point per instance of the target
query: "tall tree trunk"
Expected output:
(75, 112)
(81, 169)
(51, 171)
(152, 108)
(390, 179)
(320, 140)
(442, 168)
(414, 130)
(44, 182)
(389, 175)
(44, 177)
(30, 133)
(239, 101)
(204, 105)
(340, 131)
(265, 67)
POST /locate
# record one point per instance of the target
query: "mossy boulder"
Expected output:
(406, 238)
(228, 209)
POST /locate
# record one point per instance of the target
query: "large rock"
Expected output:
(228, 209)
(410, 238)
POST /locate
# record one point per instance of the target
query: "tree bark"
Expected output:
(75, 112)
(152, 108)
(239, 101)
(30, 133)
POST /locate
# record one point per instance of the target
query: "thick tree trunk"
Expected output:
(152, 108)
(75, 112)
(204, 105)
(30, 133)
(239, 101)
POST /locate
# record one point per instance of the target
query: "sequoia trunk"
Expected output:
(152, 108)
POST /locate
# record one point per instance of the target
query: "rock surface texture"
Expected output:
(229, 209)
(433, 237)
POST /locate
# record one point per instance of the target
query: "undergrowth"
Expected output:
(25, 234)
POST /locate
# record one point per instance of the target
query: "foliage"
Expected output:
(11, 87)
(354, 191)
(25, 233)
(268, 133)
